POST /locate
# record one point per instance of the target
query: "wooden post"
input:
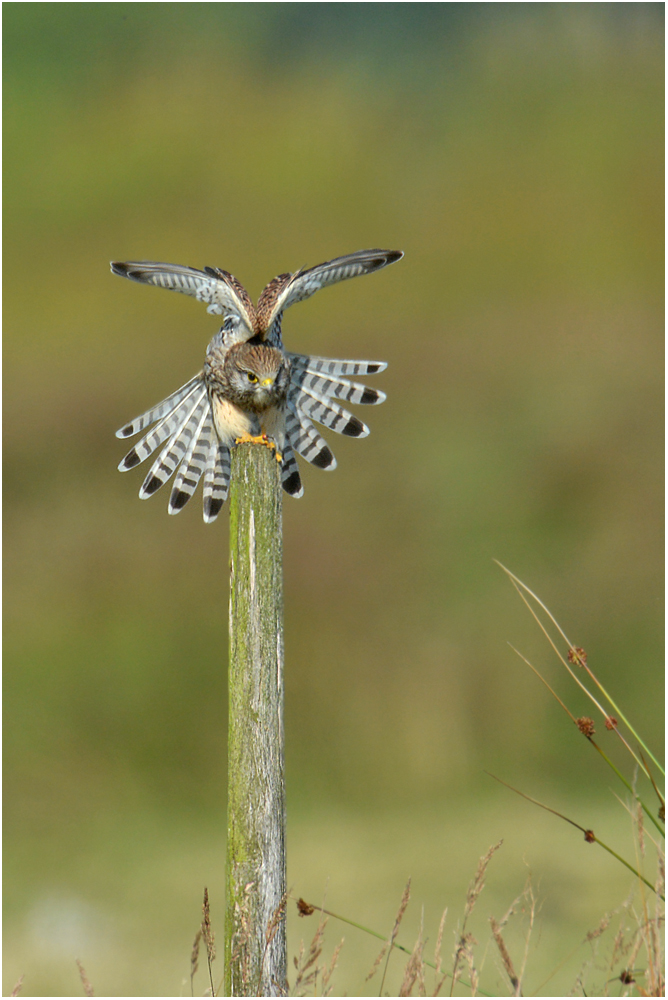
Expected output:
(255, 962)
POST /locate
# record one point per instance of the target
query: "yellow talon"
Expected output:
(259, 439)
(250, 439)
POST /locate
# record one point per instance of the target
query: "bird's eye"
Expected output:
(252, 377)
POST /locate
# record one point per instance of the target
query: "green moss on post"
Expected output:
(256, 780)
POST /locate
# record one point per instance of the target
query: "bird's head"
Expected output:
(257, 375)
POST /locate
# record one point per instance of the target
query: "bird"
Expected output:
(250, 390)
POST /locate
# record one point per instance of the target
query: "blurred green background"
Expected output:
(515, 153)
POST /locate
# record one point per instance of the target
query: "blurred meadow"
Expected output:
(515, 153)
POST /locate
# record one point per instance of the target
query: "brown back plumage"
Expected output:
(266, 304)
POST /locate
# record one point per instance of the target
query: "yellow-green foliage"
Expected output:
(514, 151)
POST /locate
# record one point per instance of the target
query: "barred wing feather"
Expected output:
(332, 366)
(193, 463)
(286, 289)
(322, 408)
(162, 430)
(161, 410)
(220, 290)
(340, 388)
(176, 447)
(306, 439)
(290, 477)
(216, 480)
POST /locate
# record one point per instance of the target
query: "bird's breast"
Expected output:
(231, 422)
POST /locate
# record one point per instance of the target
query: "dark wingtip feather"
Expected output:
(118, 267)
(149, 487)
(130, 460)
(354, 428)
(292, 484)
(380, 258)
(212, 508)
(178, 500)
(323, 459)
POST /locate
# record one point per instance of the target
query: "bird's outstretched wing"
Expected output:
(316, 385)
(286, 289)
(183, 424)
(223, 294)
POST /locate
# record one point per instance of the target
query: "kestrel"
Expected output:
(251, 388)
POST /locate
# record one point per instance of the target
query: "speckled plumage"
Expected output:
(250, 385)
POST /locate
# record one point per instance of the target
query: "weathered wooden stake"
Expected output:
(256, 779)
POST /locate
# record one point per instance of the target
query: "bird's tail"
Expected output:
(316, 385)
(183, 425)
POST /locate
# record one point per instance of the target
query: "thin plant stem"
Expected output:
(590, 836)
(519, 584)
(593, 742)
(381, 937)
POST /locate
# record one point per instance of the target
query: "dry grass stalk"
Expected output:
(464, 947)
(619, 952)
(478, 883)
(275, 921)
(242, 935)
(194, 960)
(464, 954)
(437, 956)
(529, 895)
(328, 970)
(641, 828)
(414, 971)
(651, 932)
(631, 959)
(649, 928)
(657, 957)
(525, 897)
(270, 934)
(601, 929)
(307, 964)
(505, 957)
(17, 989)
(633, 937)
(619, 947)
(207, 933)
(473, 972)
(393, 936)
(207, 937)
(88, 989)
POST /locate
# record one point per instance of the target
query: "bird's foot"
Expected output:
(259, 439)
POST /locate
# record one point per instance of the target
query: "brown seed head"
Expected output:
(304, 909)
(585, 725)
(577, 656)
